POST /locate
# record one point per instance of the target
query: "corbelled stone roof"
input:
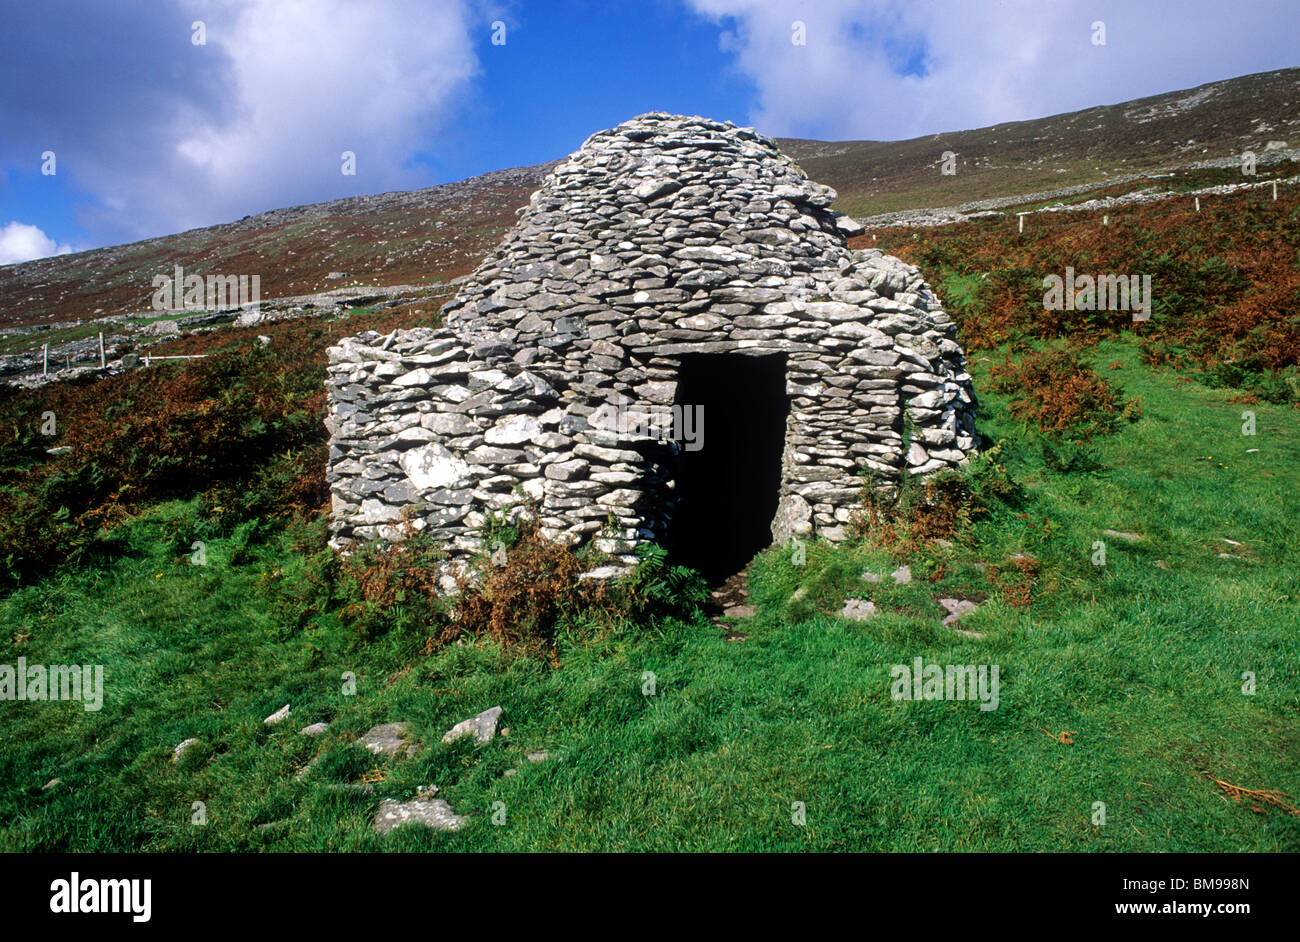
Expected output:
(663, 237)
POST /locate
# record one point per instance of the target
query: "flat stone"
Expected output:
(565, 470)
(902, 575)
(315, 729)
(389, 740)
(431, 813)
(601, 573)
(376, 511)
(434, 466)
(513, 430)
(279, 716)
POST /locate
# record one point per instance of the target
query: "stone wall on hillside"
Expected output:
(558, 365)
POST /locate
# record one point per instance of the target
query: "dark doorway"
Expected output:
(727, 488)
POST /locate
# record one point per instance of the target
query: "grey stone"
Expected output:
(431, 813)
(793, 518)
(482, 727)
(390, 739)
(513, 430)
(183, 747)
(565, 470)
(1132, 537)
(603, 573)
(161, 329)
(858, 609)
(956, 608)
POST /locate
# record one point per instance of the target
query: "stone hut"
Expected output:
(674, 344)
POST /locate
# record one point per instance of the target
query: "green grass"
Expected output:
(22, 343)
(1143, 664)
(26, 343)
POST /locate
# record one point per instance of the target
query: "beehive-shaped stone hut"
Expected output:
(674, 344)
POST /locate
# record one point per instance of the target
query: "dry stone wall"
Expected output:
(555, 373)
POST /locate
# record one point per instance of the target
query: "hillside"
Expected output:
(432, 235)
(423, 236)
(1216, 122)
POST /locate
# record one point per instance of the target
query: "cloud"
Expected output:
(20, 242)
(890, 71)
(167, 135)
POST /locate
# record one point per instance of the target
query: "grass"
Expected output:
(1143, 664)
(29, 343)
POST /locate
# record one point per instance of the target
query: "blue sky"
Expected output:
(153, 134)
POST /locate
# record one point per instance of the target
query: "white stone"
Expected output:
(858, 609)
(433, 813)
(513, 430)
(433, 466)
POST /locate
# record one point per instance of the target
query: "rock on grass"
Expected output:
(432, 813)
(389, 740)
(482, 727)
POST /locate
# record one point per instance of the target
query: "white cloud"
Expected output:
(20, 242)
(982, 64)
(298, 82)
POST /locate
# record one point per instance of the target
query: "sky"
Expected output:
(126, 119)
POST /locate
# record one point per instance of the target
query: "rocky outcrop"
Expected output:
(554, 378)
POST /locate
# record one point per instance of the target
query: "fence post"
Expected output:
(103, 361)
(45, 359)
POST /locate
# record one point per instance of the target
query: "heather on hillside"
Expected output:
(1225, 282)
(242, 428)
